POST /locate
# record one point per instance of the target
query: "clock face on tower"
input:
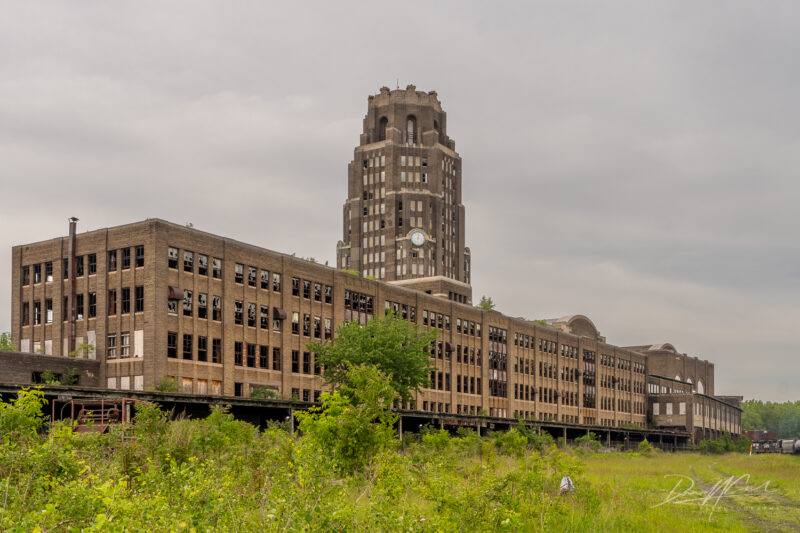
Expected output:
(417, 237)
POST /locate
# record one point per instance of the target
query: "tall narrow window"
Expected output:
(126, 258)
(187, 303)
(26, 314)
(238, 312)
(276, 282)
(216, 350)
(382, 128)
(187, 346)
(202, 305)
(411, 129)
(48, 271)
(126, 300)
(125, 344)
(92, 263)
(172, 257)
(139, 302)
(265, 280)
(276, 358)
(111, 347)
(251, 276)
(139, 256)
(188, 261)
(172, 344)
(202, 348)
(216, 268)
(26, 275)
(112, 261)
(216, 308)
(79, 305)
(92, 304)
(264, 317)
(238, 273)
(251, 315)
(48, 310)
(112, 302)
(37, 273)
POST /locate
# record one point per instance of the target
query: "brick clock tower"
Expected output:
(403, 217)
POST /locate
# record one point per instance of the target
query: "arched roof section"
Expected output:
(579, 325)
(665, 347)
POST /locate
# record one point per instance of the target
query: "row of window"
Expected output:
(87, 303)
(121, 349)
(188, 351)
(173, 256)
(43, 272)
(318, 329)
(321, 292)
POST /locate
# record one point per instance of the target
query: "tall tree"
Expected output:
(395, 346)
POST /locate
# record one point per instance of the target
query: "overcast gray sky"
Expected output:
(632, 161)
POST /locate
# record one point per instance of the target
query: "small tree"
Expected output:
(486, 303)
(394, 346)
(5, 342)
(83, 349)
(354, 423)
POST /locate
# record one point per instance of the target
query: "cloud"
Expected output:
(633, 162)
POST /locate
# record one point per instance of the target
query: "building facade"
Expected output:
(153, 300)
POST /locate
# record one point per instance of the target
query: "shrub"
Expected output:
(438, 439)
(645, 448)
(354, 423)
(263, 393)
(512, 442)
(588, 442)
(22, 416)
(167, 384)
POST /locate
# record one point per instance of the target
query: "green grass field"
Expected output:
(692, 492)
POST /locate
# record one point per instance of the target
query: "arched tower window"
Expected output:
(382, 128)
(700, 388)
(411, 129)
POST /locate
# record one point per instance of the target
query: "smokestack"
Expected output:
(71, 285)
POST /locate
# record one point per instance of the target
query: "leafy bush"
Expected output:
(588, 442)
(167, 384)
(512, 442)
(22, 416)
(645, 448)
(723, 444)
(354, 423)
(263, 393)
(437, 439)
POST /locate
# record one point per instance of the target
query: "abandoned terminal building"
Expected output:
(156, 300)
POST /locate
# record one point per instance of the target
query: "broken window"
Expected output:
(306, 289)
(251, 276)
(264, 317)
(251, 315)
(263, 356)
(296, 361)
(26, 275)
(306, 363)
(202, 305)
(216, 268)
(276, 358)
(48, 310)
(188, 261)
(172, 257)
(295, 323)
(79, 305)
(238, 310)
(112, 261)
(237, 353)
(238, 273)
(276, 282)
(265, 280)
(187, 303)
(306, 325)
(216, 308)
(126, 258)
(112, 302)
(317, 292)
(48, 271)
(295, 287)
(92, 305)
(202, 265)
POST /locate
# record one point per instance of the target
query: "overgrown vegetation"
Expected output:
(486, 303)
(347, 471)
(723, 444)
(167, 384)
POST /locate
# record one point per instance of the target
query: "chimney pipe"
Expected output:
(71, 285)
